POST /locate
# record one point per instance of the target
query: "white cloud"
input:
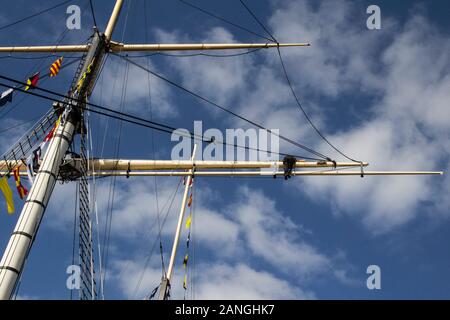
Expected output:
(31, 31)
(241, 282)
(241, 84)
(61, 207)
(220, 79)
(133, 281)
(135, 217)
(399, 72)
(341, 56)
(26, 297)
(252, 229)
(409, 132)
(216, 281)
(214, 230)
(111, 86)
(135, 212)
(274, 237)
(8, 138)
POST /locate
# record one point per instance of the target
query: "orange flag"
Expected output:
(20, 188)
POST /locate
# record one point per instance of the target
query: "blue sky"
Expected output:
(381, 96)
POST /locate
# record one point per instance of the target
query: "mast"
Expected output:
(21, 240)
(164, 289)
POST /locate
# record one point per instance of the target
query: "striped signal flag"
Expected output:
(55, 67)
(32, 81)
(20, 188)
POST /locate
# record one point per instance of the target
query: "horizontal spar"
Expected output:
(125, 164)
(138, 165)
(49, 49)
(112, 164)
(262, 173)
(250, 173)
(121, 47)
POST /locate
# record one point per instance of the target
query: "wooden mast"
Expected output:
(21, 240)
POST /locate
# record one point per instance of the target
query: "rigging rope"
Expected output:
(196, 54)
(144, 122)
(223, 20)
(114, 178)
(38, 66)
(94, 196)
(43, 79)
(259, 22)
(321, 135)
(192, 240)
(77, 187)
(107, 122)
(18, 125)
(297, 100)
(122, 104)
(153, 154)
(85, 153)
(33, 15)
(9, 56)
(227, 110)
(93, 13)
(153, 246)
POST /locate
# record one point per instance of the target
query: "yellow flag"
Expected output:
(83, 77)
(58, 122)
(185, 282)
(7, 193)
(188, 221)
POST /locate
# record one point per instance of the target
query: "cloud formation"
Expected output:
(398, 77)
(247, 241)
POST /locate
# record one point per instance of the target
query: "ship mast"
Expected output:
(21, 240)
